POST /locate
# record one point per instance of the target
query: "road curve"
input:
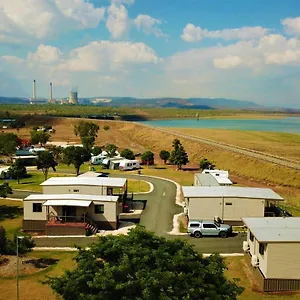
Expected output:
(233, 148)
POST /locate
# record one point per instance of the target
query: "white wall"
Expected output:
(30, 215)
(204, 208)
(88, 190)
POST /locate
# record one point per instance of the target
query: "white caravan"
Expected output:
(126, 165)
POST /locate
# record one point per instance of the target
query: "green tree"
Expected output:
(164, 155)
(57, 152)
(178, 156)
(111, 150)
(96, 150)
(148, 158)
(45, 161)
(76, 156)
(39, 137)
(8, 143)
(17, 170)
(87, 131)
(206, 164)
(127, 153)
(5, 190)
(144, 266)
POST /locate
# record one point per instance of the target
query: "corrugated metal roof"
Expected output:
(67, 203)
(207, 179)
(93, 181)
(229, 191)
(223, 180)
(90, 174)
(274, 229)
(45, 197)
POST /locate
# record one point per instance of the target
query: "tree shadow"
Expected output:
(10, 212)
(133, 118)
(160, 168)
(41, 263)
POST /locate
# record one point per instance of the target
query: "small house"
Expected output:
(272, 252)
(221, 176)
(229, 204)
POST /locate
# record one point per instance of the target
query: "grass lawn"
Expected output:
(11, 215)
(31, 286)
(138, 186)
(237, 268)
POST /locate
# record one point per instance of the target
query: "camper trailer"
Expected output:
(97, 160)
(126, 165)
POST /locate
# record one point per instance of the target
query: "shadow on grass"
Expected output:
(160, 168)
(41, 263)
(10, 212)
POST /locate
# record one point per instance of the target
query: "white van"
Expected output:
(126, 165)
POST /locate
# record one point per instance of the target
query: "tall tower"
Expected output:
(73, 97)
(51, 100)
(34, 90)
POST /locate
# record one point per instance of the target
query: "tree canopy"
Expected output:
(87, 131)
(76, 156)
(17, 170)
(148, 158)
(111, 150)
(8, 143)
(45, 161)
(164, 155)
(178, 156)
(127, 153)
(144, 266)
(96, 150)
(5, 190)
(206, 164)
(39, 137)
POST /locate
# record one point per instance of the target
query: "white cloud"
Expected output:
(148, 25)
(45, 54)
(118, 21)
(282, 58)
(291, 25)
(192, 33)
(27, 19)
(228, 62)
(127, 2)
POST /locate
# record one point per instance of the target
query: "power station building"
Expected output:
(73, 97)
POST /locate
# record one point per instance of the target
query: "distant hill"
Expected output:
(189, 103)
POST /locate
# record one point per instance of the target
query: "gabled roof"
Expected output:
(45, 197)
(229, 192)
(270, 230)
(207, 179)
(92, 181)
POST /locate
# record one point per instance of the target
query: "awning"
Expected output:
(67, 203)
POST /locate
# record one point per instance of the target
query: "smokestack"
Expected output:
(34, 90)
(50, 90)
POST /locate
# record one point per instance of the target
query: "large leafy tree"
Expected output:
(127, 153)
(148, 158)
(96, 150)
(178, 156)
(76, 156)
(87, 131)
(164, 155)
(8, 143)
(17, 170)
(45, 161)
(5, 190)
(144, 266)
(39, 137)
(206, 164)
(111, 150)
(57, 152)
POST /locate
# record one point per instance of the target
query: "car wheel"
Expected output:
(223, 234)
(197, 234)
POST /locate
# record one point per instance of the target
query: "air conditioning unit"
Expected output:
(246, 246)
(254, 261)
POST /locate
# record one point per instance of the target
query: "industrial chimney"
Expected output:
(34, 90)
(50, 90)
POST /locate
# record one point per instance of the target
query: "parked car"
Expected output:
(199, 228)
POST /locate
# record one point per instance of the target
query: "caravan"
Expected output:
(126, 165)
(97, 160)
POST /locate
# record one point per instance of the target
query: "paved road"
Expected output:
(233, 148)
(158, 217)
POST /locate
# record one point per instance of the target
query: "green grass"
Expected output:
(138, 186)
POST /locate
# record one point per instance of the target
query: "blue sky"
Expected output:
(247, 50)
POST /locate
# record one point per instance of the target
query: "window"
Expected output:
(76, 191)
(194, 225)
(37, 207)
(109, 191)
(262, 248)
(209, 226)
(99, 209)
(251, 237)
(228, 203)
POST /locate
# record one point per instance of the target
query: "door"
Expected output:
(69, 213)
(209, 229)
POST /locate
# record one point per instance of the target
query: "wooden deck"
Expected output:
(67, 228)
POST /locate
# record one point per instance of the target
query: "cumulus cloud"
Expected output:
(148, 25)
(228, 62)
(118, 21)
(24, 19)
(291, 25)
(45, 54)
(192, 33)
